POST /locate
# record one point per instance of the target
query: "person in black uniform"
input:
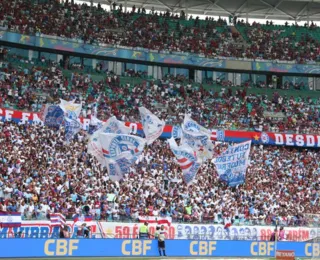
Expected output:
(161, 242)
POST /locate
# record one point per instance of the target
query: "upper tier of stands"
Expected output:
(163, 32)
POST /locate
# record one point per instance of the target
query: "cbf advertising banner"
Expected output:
(120, 230)
(232, 164)
(264, 138)
(121, 248)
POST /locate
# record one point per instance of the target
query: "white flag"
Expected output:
(112, 126)
(232, 163)
(118, 167)
(114, 145)
(120, 152)
(95, 121)
(186, 159)
(198, 138)
(152, 125)
(70, 107)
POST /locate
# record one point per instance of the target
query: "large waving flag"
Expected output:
(152, 125)
(52, 116)
(95, 124)
(186, 159)
(118, 167)
(115, 145)
(197, 137)
(112, 126)
(232, 163)
(120, 152)
(71, 118)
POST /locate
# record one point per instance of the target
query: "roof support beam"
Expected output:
(275, 8)
(241, 7)
(215, 3)
(170, 8)
(302, 10)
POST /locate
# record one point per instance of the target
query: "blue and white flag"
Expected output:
(120, 152)
(198, 138)
(118, 167)
(115, 145)
(72, 126)
(52, 116)
(71, 118)
(10, 219)
(186, 159)
(69, 107)
(94, 125)
(152, 125)
(112, 126)
(232, 164)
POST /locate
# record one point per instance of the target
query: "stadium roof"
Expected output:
(298, 10)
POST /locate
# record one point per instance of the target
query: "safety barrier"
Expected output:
(135, 247)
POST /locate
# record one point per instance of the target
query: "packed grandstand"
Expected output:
(40, 174)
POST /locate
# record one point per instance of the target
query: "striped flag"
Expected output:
(10, 219)
(213, 136)
(57, 219)
(156, 220)
(187, 160)
(82, 218)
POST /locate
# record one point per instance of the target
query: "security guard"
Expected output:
(143, 231)
(161, 243)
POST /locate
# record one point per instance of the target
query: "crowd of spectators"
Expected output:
(159, 31)
(170, 98)
(270, 43)
(39, 175)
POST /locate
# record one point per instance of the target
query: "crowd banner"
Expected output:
(178, 231)
(232, 163)
(149, 248)
(264, 138)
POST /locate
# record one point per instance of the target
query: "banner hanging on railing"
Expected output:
(179, 231)
(264, 138)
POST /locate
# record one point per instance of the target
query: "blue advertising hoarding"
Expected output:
(135, 247)
(140, 54)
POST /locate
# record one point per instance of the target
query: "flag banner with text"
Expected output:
(234, 136)
(232, 163)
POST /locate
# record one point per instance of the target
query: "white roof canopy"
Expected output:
(300, 10)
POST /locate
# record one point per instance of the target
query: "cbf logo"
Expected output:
(122, 144)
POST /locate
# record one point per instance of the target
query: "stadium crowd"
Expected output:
(30, 88)
(157, 31)
(39, 175)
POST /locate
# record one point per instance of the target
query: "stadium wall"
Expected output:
(134, 247)
(265, 138)
(42, 229)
